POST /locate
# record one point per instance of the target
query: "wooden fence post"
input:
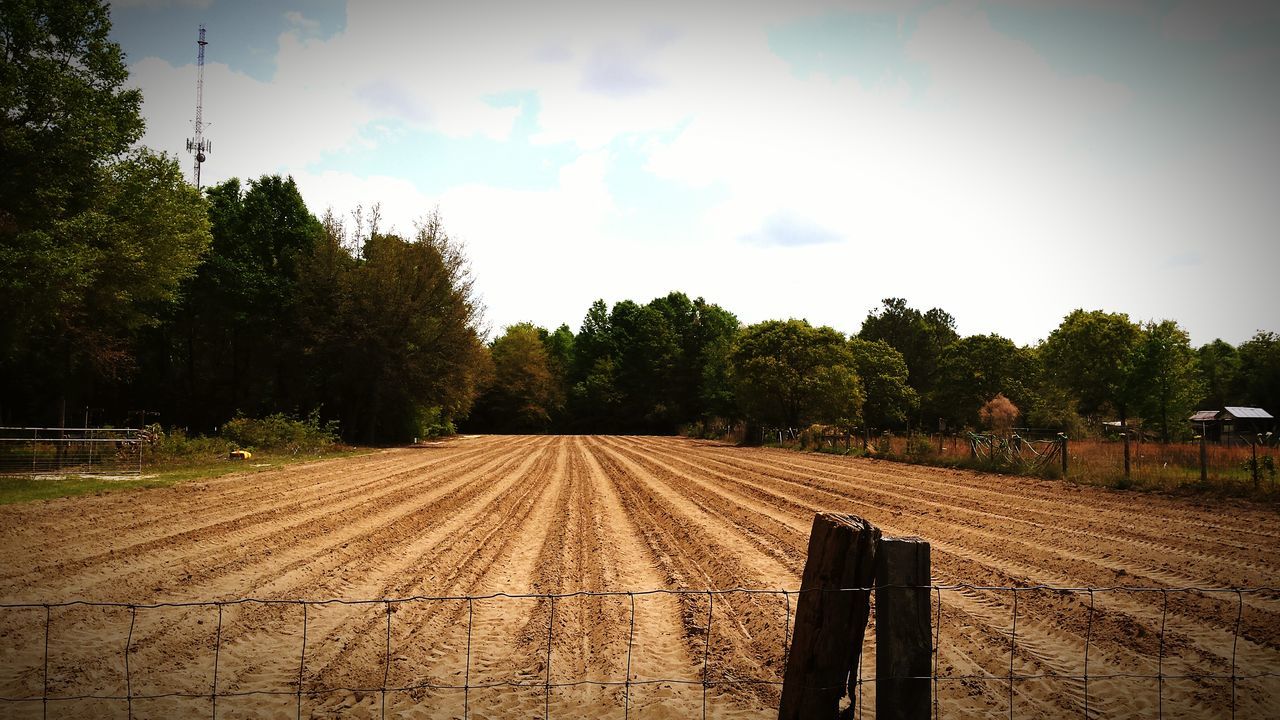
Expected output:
(830, 620)
(904, 631)
(1204, 458)
(1062, 440)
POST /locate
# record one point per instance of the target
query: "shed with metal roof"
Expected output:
(1233, 424)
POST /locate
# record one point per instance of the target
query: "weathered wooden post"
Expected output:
(831, 618)
(1204, 458)
(904, 631)
(1124, 431)
(1253, 462)
(1062, 444)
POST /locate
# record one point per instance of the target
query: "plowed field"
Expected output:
(476, 516)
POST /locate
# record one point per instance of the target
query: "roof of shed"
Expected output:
(1248, 412)
(1204, 416)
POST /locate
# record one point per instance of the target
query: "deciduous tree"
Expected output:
(919, 336)
(789, 373)
(890, 399)
(1167, 377)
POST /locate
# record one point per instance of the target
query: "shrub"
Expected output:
(280, 432)
(176, 446)
(921, 447)
(999, 414)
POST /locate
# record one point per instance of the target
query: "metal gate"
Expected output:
(71, 451)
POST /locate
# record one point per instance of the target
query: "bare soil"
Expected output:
(452, 531)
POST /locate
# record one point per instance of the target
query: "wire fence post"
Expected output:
(466, 678)
(217, 651)
(386, 668)
(551, 623)
(1088, 640)
(904, 638)
(706, 651)
(128, 676)
(631, 638)
(44, 695)
(832, 609)
(1013, 645)
(302, 658)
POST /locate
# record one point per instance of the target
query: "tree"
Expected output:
(525, 393)
(94, 238)
(1092, 354)
(974, 369)
(78, 290)
(559, 346)
(244, 292)
(1219, 365)
(390, 339)
(920, 337)
(789, 373)
(1258, 384)
(890, 400)
(652, 367)
(1166, 376)
(67, 112)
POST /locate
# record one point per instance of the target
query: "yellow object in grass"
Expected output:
(240, 455)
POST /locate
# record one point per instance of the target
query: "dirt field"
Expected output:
(537, 515)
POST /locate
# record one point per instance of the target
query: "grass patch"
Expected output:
(27, 489)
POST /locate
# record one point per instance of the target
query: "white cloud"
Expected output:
(998, 184)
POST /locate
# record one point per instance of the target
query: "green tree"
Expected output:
(67, 113)
(1167, 376)
(1258, 384)
(1092, 355)
(789, 373)
(974, 369)
(559, 345)
(920, 337)
(79, 290)
(525, 393)
(890, 399)
(652, 367)
(94, 237)
(1219, 364)
(235, 357)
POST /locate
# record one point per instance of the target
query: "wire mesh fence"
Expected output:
(1033, 651)
(1248, 464)
(39, 451)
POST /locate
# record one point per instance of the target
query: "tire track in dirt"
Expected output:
(1132, 573)
(958, 497)
(116, 516)
(695, 550)
(1033, 643)
(1014, 491)
(375, 536)
(235, 519)
(764, 502)
(623, 513)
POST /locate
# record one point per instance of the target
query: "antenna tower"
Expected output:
(199, 145)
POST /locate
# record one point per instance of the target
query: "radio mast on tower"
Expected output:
(199, 145)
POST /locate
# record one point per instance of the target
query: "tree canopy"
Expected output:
(791, 374)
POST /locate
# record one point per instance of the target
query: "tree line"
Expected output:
(131, 296)
(676, 362)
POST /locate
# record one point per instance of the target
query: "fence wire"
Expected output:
(704, 678)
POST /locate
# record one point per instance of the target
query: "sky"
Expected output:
(1007, 162)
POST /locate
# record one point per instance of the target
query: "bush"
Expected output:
(280, 432)
(921, 447)
(177, 446)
